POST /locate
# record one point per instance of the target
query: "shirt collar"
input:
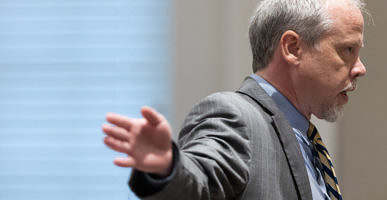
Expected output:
(295, 118)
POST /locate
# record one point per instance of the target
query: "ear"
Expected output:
(290, 45)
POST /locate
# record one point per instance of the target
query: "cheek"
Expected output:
(334, 77)
(325, 88)
(325, 76)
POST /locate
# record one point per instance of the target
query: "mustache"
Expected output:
(351, 86)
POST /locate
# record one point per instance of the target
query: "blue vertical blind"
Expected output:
(63, 65)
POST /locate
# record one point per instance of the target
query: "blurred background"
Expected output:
(64, 64)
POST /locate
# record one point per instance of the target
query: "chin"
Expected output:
(330, 113)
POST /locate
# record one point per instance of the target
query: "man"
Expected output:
(256, 143)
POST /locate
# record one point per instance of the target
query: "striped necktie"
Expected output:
(326, 163)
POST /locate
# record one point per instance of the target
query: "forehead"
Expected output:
(347, 20)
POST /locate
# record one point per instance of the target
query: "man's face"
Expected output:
(329, 70)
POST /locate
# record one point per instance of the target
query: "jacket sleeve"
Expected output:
(213, 153)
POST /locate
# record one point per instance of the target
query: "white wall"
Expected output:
(212, 51)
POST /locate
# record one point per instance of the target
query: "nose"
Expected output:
(358, 69)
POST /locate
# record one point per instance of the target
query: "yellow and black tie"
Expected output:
(326, 163)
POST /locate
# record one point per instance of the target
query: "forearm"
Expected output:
(202, 169)
(213, 154)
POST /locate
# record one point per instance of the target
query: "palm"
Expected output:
(150, 145)
(146, 141)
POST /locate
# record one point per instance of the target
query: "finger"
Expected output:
(125, 162)
(119, 120)
(116, 132)
(151, 115)
(117, 145)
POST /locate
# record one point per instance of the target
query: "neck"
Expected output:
(283, 82)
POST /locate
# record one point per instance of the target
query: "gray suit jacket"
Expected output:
(234, 145)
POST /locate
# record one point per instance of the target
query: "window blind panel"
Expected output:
(64, 64)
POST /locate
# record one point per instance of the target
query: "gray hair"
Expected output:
(308, 18)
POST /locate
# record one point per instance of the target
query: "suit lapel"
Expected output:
(285, 134)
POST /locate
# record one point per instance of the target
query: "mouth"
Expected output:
(349, 88)
(344, 95)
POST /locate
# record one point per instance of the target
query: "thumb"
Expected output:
(151, 115)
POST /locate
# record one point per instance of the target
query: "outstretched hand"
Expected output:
(146, 141)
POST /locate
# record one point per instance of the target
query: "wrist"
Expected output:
(166, 171)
